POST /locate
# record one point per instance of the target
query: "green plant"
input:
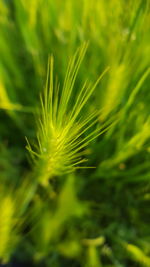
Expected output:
(61, 140)
(82, 198)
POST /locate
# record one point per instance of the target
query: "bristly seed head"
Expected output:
(60, 133)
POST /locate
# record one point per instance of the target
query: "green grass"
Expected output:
(75, 133)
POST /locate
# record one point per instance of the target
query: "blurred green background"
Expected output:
(97, 216)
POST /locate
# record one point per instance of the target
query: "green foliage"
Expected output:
(10, 223)
(79, 194)
(138, 255)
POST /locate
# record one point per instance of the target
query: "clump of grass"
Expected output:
(93, 218)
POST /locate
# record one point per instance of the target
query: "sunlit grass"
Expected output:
(82, 198)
